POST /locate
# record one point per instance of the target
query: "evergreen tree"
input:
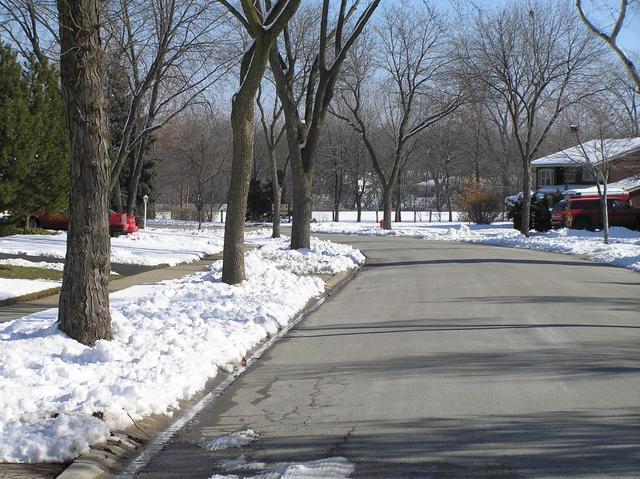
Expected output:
(15, 134)
(34, 152)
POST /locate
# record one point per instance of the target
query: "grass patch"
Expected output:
(8, 271)
(24, 272)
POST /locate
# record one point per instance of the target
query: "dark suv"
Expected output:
(583, 212)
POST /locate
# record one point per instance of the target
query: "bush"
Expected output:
(478, 205)
(539, 212)
(259, 202)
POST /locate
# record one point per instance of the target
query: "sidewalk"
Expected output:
(17, 310)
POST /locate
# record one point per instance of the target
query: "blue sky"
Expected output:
(629, 37)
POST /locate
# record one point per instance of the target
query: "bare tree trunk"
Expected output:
(398, 217)
(387, 193)
(117, 196)
(447, 185)
(337, 195)
(277, 195)
(602, 192)
(301, 225)
(526, 200)
(84, 299)
(134, 181)
(242, 124)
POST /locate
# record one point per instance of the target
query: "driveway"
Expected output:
(443, 360)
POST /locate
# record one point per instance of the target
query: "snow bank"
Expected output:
(12, 288)
(57, 397)
(623, 250)
(324, 257)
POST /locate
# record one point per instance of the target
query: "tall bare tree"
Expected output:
(539, 61)
(263, 26)
(273, 131)
(32, 27)
(170, 58)
(84, 298)
(611, 38)
(304, 125)
(413, 62)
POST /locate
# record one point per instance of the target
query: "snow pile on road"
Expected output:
(32, 264)
(57, 396)
(623, 250)
(324, 257)
(146, 247)
(12, 288)
(330, 468)
(237, 439)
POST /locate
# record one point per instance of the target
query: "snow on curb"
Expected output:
(57, 397)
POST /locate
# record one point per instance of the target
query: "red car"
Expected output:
(583, 212)
(119, 223)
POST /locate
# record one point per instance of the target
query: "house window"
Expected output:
(570, 174)
(588, 176)
(545, 177)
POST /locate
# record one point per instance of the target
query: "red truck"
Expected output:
(119, 223)
(583, 212)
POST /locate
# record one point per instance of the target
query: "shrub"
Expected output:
(539, 212)
(259, 201)
(478, 205)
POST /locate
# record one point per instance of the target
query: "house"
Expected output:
(570, 170)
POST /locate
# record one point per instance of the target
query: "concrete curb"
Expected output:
(120, 455)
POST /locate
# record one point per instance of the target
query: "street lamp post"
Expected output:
(145, 199)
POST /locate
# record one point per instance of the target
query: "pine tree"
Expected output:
(47, 175)
(34, 152)
(15, 134)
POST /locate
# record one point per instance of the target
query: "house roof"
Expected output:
(595, 150)
(629, 184)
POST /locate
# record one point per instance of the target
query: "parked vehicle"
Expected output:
(119, 223)
(583, 212)
(558, 214)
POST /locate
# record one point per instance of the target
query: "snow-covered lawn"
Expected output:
(623, 250)
(12, 288)
(149, 247)
(57, 396)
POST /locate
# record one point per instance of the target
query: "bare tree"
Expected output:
(84, 298)
(539, 62)
(273, 131)
(303, 128)
(170, 59)
(264, 29)
(32, 27)
(413, 62)
(611, 38)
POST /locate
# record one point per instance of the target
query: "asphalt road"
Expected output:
(444, 360)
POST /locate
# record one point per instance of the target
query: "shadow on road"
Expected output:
(551, 444)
